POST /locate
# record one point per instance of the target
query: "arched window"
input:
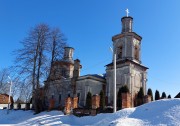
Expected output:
(52, 96)
(120, 52)
(78, 95)
(55, 73)
(63, 72)
(59, 98)
(136, 52)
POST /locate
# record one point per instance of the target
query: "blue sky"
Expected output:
(89, 26)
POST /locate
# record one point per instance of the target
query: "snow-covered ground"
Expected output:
(164, 112)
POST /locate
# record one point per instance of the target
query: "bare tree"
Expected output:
(32, 61)
(56, 46)
(16, 84)
(4, 86)
(5, 82)
(30, 58)
(25, 93)
(42, 41)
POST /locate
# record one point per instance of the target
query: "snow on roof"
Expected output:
(102, 76)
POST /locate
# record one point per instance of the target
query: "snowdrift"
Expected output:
(164, 112)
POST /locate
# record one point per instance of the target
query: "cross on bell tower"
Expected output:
(127, 12)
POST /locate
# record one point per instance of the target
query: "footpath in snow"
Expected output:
(164, 112)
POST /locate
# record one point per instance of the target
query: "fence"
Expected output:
(15, 106)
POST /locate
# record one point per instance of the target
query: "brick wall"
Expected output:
(70, 103)
(4, 98)
(147, 99)
(74, 102)
(126, 100)
(51, 104)
(95, 101)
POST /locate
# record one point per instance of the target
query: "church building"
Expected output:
(65, 80)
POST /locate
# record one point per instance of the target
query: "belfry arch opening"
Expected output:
(120, 48)
(136, 52)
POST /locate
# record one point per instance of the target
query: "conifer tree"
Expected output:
(169, 96)
(124, 89)
(140, 97)
(178, 95)
(89, 100)
(163, 95)
(140, 93)
(150, 93)
(102, 100)
(157, 95)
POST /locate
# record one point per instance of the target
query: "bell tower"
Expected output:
(127, 44)
(129, 69)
